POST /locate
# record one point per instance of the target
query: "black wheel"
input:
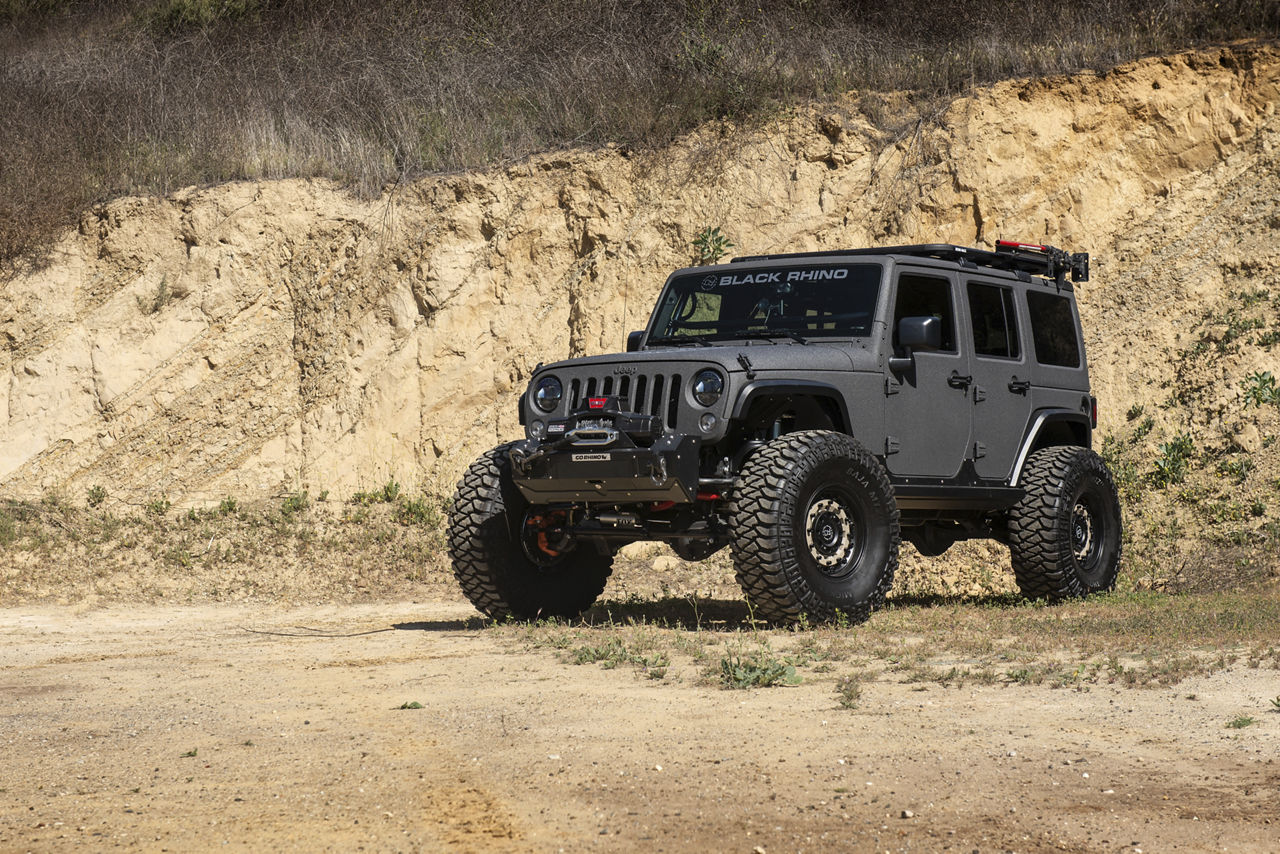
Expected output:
(513, 559)
(1064, 535)
(815, 528)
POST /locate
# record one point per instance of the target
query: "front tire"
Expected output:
(508, 556)
(1065, 533)
(814, 528)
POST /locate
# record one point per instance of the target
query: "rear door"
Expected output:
(1001, 392)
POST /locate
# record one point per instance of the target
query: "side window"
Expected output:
(995, 323)
(1053, 330)
(926, 296)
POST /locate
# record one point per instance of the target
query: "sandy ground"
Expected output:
(238, 727)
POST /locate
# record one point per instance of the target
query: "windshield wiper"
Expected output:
(700, 340)
(770, 333)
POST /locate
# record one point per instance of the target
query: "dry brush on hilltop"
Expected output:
(103, 99)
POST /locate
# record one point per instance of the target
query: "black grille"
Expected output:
(648, 394)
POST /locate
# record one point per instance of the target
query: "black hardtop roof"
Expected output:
(1031, 259)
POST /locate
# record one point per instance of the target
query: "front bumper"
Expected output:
(621, 473)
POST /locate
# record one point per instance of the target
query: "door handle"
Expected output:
(1018, 386)
(957, 380)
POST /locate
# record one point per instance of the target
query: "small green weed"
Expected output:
(190, 754)
(759, 669)
(388, 494)
(413, 704)
(1261, 389)
(1171, 466)
(1241, 722)
(613, 652)
(1275, 703)
(1237, 470)
(710, 245)
(227, 506)
(158, 300)
(1135, 412)
(419, 511)
(96, 495)
(159, 507)
(294, 503)
(849, 691)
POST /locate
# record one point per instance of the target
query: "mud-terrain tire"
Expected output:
(1065, 533)
(814, 528)
(494, 565)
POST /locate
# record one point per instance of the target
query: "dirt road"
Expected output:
(247, 728)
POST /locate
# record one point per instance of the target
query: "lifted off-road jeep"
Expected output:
(808, 411)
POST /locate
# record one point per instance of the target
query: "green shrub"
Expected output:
(294, 503)
(710, 246)
(1171, 466)
(758, 669)
(1260, 389)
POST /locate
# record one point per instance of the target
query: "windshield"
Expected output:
(800, 302)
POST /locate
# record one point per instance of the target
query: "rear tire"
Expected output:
(814, 528)
(506, 554)
(1065, 533)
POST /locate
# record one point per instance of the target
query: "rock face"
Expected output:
(251, 339)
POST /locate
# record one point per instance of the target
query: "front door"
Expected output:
(928, 410)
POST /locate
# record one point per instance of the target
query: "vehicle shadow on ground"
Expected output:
(465, 624)
(978, 600)
(693, 613)
(686, 612)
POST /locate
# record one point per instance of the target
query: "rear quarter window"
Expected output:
(1053, 330)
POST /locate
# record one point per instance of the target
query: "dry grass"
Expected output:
(103, 98)
(1136, 640)
(292, 549)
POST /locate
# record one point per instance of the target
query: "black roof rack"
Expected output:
(1047, 261)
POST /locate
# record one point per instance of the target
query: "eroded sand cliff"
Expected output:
(256, 338)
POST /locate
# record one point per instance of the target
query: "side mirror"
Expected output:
(924, 333)
(633, 341)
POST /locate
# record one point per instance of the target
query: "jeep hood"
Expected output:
(786, 356)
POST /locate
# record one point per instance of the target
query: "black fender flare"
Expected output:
(1042, 419)
(756, 389)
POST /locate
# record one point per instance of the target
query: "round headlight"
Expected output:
(547, 394)
(707, 387)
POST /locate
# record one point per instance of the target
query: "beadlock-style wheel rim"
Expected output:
(830, 534)
(1084, 534)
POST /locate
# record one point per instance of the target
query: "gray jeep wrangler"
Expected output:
(809, 411)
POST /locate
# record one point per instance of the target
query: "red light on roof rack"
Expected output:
(1013, 244)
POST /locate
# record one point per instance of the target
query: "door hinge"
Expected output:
(979, 450)
(891, 445)
(979, 394)
(890, 387)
